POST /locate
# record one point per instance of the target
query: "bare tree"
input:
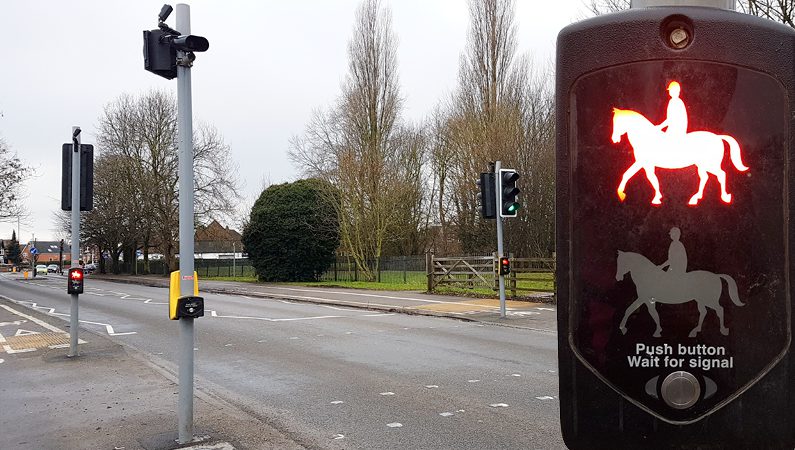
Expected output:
(12, 174)
(360, 148)
(141, 133)
(781, 11)
(776, 10)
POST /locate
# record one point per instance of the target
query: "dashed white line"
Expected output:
(387, 393)
(337, 402)
(446, 414)
(394, 425)
(499, 405)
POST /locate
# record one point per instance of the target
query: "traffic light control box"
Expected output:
(185, 306)
(673, 192)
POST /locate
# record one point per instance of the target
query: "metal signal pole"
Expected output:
(73, 312)
(497, 189)
(185, 129)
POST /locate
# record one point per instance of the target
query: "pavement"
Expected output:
(110, 397)
(115, 397)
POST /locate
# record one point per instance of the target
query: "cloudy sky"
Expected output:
(270, 63)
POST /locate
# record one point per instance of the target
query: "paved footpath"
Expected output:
(107, 398)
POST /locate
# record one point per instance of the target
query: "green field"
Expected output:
(417, 281)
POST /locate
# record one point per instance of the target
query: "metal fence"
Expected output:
(391, 269)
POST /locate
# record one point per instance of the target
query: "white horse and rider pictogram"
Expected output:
(674, 286)
(674, 148)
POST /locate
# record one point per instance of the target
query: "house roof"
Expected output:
(48, 247)
(215, 238)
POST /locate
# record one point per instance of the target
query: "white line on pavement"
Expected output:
(31, 318)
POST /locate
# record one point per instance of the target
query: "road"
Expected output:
(339, 377)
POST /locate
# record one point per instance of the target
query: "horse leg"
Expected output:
(703, 176)
(702, 312)
(631, 309)
(655, 183)
(725, 196)
(719, 311)
(633, 169)
(653, 312)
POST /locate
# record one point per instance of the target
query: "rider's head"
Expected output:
(675, 233)
(674, 89)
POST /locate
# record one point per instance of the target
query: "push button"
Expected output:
(680, 390)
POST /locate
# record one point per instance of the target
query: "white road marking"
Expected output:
(545, 397)
(337, 402)
(150, 302)
(472, 381)
(109, 328)
(338, 436)
(394, 425)
(499, 405)
(21, 332)
(516, 374)
(32, 319)
(545, 309)
(431, 386)
(460, 410)
(16, 322)
(446, 414)
(2, 360)
(7, 348)
(387, 393)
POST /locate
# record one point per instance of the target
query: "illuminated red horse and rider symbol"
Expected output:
(673, 148)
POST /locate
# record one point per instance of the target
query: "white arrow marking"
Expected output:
(33, 319)
(109, 329)
(22, 332)
(336, 436)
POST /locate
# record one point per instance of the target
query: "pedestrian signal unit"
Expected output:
(75, 280)
(673, 224)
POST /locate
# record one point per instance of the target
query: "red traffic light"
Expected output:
(74, 284)
(505, 266)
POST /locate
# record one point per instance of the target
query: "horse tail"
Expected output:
(734, 152)
(732, 289)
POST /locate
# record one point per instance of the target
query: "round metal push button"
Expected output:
(680, 390)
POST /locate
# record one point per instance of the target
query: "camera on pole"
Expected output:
(161, 46)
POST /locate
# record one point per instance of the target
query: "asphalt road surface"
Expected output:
(339, 377)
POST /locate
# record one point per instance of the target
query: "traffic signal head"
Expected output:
(75, 280)
(505, 266)
(160, 57)
(509, 207)
(647, 218)
(487, 195)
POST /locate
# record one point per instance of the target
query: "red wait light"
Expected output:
(76, 274)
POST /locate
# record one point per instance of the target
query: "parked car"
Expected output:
(91, 267)
(52, 268)
(41, 268)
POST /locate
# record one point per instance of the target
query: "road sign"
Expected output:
(672, 225)
(34, 251)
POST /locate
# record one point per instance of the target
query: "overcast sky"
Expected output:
(269, 65)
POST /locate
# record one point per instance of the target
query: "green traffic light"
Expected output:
(513, 207)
